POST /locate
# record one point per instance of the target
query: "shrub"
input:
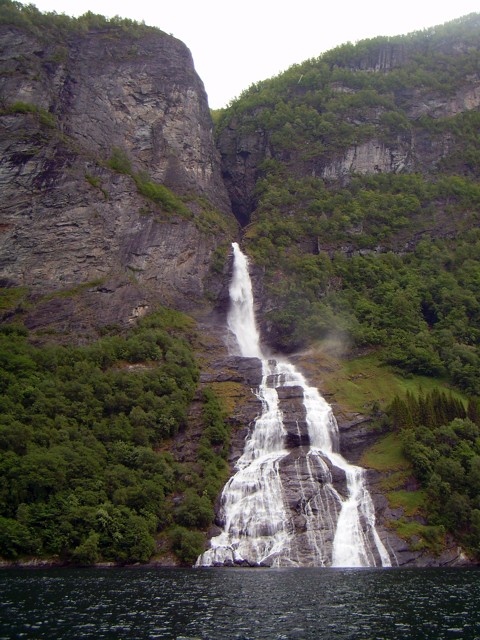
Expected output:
(187, 545)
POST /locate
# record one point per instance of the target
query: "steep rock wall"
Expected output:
(108, 89)
(67, 217)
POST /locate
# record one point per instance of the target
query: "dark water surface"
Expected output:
(218, 604)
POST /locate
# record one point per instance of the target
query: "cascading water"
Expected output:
(295, 518)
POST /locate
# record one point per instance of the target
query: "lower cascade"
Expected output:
(294, 500)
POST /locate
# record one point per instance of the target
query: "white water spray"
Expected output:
(261, 523)
(241, 318)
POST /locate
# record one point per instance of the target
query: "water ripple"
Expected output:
(241, 604)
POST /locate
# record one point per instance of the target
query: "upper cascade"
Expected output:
(283, 507)
(241, 319)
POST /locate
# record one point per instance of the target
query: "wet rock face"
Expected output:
(240, 156)
(235, 369)
(68, 218)
(307, 494)
(312, 487)
(110, 89)
(293, 410)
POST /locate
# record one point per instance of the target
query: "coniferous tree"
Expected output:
(473, 410)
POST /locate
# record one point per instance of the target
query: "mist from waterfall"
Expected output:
(259, 526)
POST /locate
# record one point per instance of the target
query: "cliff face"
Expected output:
(71, 214)
(412, 150)
(108, 89)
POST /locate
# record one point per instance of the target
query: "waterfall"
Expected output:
(281, 507)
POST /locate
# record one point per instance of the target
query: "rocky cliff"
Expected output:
(95, 123)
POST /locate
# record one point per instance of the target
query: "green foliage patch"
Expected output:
(45, 118)
(187, 544)
(421, 308)
(359, 383)
(11, 297)
(441, 439)
(421, 537)
(386, 455)
(161, 195)
(82, 474)
(412, 502)
(27, 16)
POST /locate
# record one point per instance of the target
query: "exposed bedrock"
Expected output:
(68, 219)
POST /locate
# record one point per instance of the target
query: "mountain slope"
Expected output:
(113, 208)
(357, 174)
(355, 177)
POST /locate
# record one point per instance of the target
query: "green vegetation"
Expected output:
(421, 308)
(420, 536)
(386, 455)
(74, 291)
(97, 183)
(364, 382)
(387, 259)
(214, 445)
(11, 297)
(120, 162)
(42, 24)
(427, 59)
(161, 195)
(82, 431)
(186, 544)
(385, 262)
(412, 502)
(441, 440)
(45, 118)
(210, 220)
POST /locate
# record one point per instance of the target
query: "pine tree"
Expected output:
(473, 410)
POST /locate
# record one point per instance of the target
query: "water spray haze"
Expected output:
(241, 316)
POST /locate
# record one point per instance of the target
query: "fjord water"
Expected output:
(240, 604)
(257, 525)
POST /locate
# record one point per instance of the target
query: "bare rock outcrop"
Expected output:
(109, 89)
(70, 216)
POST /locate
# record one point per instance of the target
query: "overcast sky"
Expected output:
(236, 44)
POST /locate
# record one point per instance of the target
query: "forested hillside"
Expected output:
(363, 196)
(112, 209)
(85, 433)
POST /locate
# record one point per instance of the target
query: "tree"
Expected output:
(88, 551)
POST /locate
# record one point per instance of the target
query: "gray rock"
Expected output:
(67, 218)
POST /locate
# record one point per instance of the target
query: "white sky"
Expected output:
(236, 44)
